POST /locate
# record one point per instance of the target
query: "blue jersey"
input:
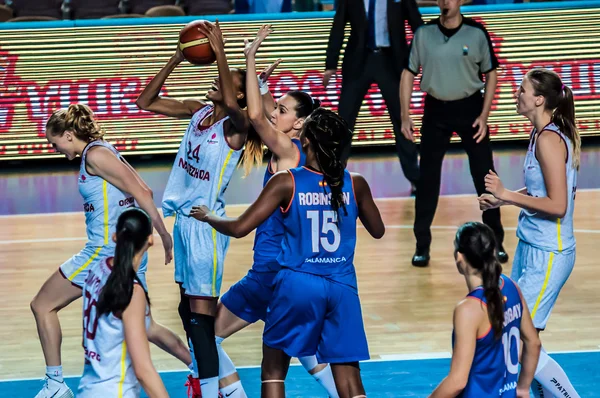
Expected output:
(495, 368)
(269, 234)
(547, 233)
(318, 240)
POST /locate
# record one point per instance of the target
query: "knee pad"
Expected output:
(202, 335)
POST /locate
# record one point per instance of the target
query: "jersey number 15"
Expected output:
(320, 231)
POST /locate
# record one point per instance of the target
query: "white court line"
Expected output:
(438, 227)
(384, 358)
(461, 195)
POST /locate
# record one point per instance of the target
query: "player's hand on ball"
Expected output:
(200, 213)
(178, 56)
(487, 202)
(214, 34)
(251, 47)
(494, 185)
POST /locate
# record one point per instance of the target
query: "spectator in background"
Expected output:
(375, 53)
(262, 6)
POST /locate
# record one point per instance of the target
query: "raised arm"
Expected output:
(467, 316)
(367, 209)
(137, 345)
(278, 142)
(102, 162)
(238, 117)
(277, 193)
(150, 100)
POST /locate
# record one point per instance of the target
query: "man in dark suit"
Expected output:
(376, 52)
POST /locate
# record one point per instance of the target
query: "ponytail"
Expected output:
(495, 301)
(477, 243)
(253, 151)
(133, 229)
(559, 100)
(564, 118)
(330, 138)
(79, 119)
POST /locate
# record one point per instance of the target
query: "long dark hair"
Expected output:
(305, 103)
(559, 99)
(133, 229)
(477, 243)
(330, 139)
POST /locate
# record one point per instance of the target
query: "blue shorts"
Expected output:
(541, 275)
(250, 297)
(310, 315)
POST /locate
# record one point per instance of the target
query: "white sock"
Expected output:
(210, 387)
(226, 366)
(55, 373)
(234, 390)
(323, 377)
(538, 390)
(553, 378)
(193, 366)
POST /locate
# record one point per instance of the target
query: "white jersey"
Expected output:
(108, 371)
(203, 167)
(539, 230)
(103, 203)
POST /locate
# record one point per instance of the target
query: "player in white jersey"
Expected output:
(207, 157)
(117, 323)
(545, 255)
(108, 185)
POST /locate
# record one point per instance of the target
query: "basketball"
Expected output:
(195, 46)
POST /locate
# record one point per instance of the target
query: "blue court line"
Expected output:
(572, 4)
(412, 378)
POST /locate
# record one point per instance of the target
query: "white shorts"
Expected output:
(75, 269)
(199, 257)
(541, 275)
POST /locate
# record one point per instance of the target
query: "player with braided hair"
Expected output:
(316, 258)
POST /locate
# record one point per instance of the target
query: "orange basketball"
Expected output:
(195, 46)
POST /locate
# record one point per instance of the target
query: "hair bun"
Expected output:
(316, 103)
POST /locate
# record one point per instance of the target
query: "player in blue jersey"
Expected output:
(108, 186)
(488, 325)
(246, 301)
(320, 203)
(211, 147)
(545, 255)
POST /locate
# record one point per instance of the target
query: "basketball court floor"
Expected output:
(407, 311)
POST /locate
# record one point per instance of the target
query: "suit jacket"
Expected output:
(353, 11)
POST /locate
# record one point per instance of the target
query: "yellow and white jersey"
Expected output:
(103, 203)
(108, 371)
(203, 167)
(547, 233)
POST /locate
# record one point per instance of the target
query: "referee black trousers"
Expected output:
(440, 120)
(379, 68)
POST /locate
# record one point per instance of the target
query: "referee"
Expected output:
(454, 53)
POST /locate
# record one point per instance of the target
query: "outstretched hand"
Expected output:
(251, 47)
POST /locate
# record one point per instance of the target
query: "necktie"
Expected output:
(371, 43)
